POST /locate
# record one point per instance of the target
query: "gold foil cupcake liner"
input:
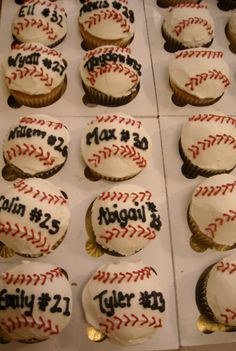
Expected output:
(6, 252)
(231, 38)
(165, 3)
(226, 5)
(95, 335)
(4, 338)
(93, 176)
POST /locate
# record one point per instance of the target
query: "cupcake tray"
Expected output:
(161, 58)
(71, 103)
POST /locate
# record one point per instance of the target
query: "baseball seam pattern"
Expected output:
(118, 196)
(25, 233)
(211, 74)
(107, 14)
(37, 72)
(226, 267)
(199, 53)
(100, 51)
(228, 315)
(49, 31)
(21, 186)
(35, 48)
(189, 5)
(119, 277)
(132, 320)
(123, 151)
(193, 20)
(30, 150)
(212, 228)
(41, 122)
(129, 231)
(215, 190)
(11, 324)
(211, 117)
(48, 4)
(211, 140)
(34, 279)
(112, 67)
(118, 119)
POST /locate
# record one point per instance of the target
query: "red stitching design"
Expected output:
(112, 67)
(108, 15)
(34, 71)
(119, 277)
(19, 26)
(188, 5)
(124, 151)
(48, 4)
(132, 320)
(193, 20)
(215, 190)
(27, 234)
(118, 119)
(21, 186)
(129, 231)
(229, 315)
(104, 50)
(42, 122)
(211, 117)
(211, 74)
(118, 196)
(30, 150)
(10, 324)
(199, 53)
(212, 228)
(226, 267)
(34, 279)
(211, 140)
(32, 47)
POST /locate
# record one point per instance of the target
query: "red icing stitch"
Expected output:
(11, 324)
(27, 234)
(104, 50)
(118, 119)
(211, 74)
(193, 20)
(34, 279)
(226, 267)
(124, 151)
(32, 47)
(212, 228)
(211, 140)
(228, 315)
(215, 190)
(30, 150)
(34, 71)
(20, 26)
(132, 320)
(107, 14)
(41, 122)
(21, 186)
(211, 117)
(114, 196)
(112, 67)
(199, 53)
(134, 276)
(188, 5)
(47, 3)
(129, 231)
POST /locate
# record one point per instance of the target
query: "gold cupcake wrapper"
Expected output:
(6, 252)
(231, 38)
(165, 4)
(94, 176)
(95, 335)
(226, 5)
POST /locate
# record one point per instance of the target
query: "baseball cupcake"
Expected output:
(40, 21)
(207, 145)
(115, 147)
(35, 75)
(215, 296)
(230, 31)
(37, 146)
(34, 217)
(110, 76)
(198, 77)
(123, 220)
(132, 319)
(212, 212)
(110, 24)
(36, 302)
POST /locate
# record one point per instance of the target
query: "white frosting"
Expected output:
(38, 143)
(200, 72)
(33, 279)
(34, 216)
(132, 324)
(220, 290)
(232, 23)
(116, 157)
(190, 24)
(40, 21)
(213, 208)
(34, 69)
(108, 22)
(115, 78)
(136, 225)
(209, 141)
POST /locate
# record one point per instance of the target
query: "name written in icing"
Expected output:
(12, 205)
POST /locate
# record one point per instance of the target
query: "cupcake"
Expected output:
(230, 31)
(198, 77)
(136, 303)
(115, 147)
(110, 76)
(215, 295)
(226, 5)
(34, 217)
(40, 21)
(207, 145)
(36, 302)
(168, 3)
(124, 219)
(37, 146)
(187, 26)
(110, 24)
(211, 214)
(35, 75)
